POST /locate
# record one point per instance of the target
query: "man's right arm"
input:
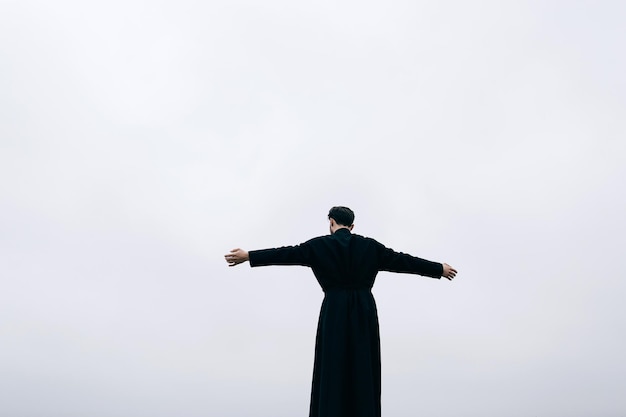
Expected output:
(393, 261)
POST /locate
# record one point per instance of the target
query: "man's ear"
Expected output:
(351, 226)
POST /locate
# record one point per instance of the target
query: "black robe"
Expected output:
(346, 371)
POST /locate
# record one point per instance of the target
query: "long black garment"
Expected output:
(346, 371)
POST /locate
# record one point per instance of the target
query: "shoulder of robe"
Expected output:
(316, 239)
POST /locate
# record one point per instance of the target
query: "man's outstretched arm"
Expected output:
(393, 261)
(286, 255)
(236, 256)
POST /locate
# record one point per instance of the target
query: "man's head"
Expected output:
(340, 217)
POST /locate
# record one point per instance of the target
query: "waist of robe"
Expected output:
(344, 287)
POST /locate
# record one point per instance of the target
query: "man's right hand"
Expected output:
(448, 272)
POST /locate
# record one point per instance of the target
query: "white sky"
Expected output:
(140, 141)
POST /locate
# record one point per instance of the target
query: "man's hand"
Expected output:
(448, 272)
(236, 257)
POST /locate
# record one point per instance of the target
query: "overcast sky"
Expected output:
(141, 141)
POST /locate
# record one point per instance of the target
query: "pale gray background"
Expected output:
(140, 141)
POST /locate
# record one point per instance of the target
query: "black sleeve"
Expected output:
(286, 255)
(389, 260)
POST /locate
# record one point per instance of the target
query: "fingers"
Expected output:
(233, 262)
(231, 258)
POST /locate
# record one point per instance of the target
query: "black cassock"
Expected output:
(346, 371)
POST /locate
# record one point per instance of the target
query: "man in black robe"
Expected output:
(346, 370)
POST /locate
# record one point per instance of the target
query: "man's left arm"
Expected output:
(286, 255)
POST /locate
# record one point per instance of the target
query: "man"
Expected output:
(346, 371)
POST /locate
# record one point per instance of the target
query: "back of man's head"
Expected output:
(342, 215)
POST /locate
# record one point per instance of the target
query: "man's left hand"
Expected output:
(236, 257)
